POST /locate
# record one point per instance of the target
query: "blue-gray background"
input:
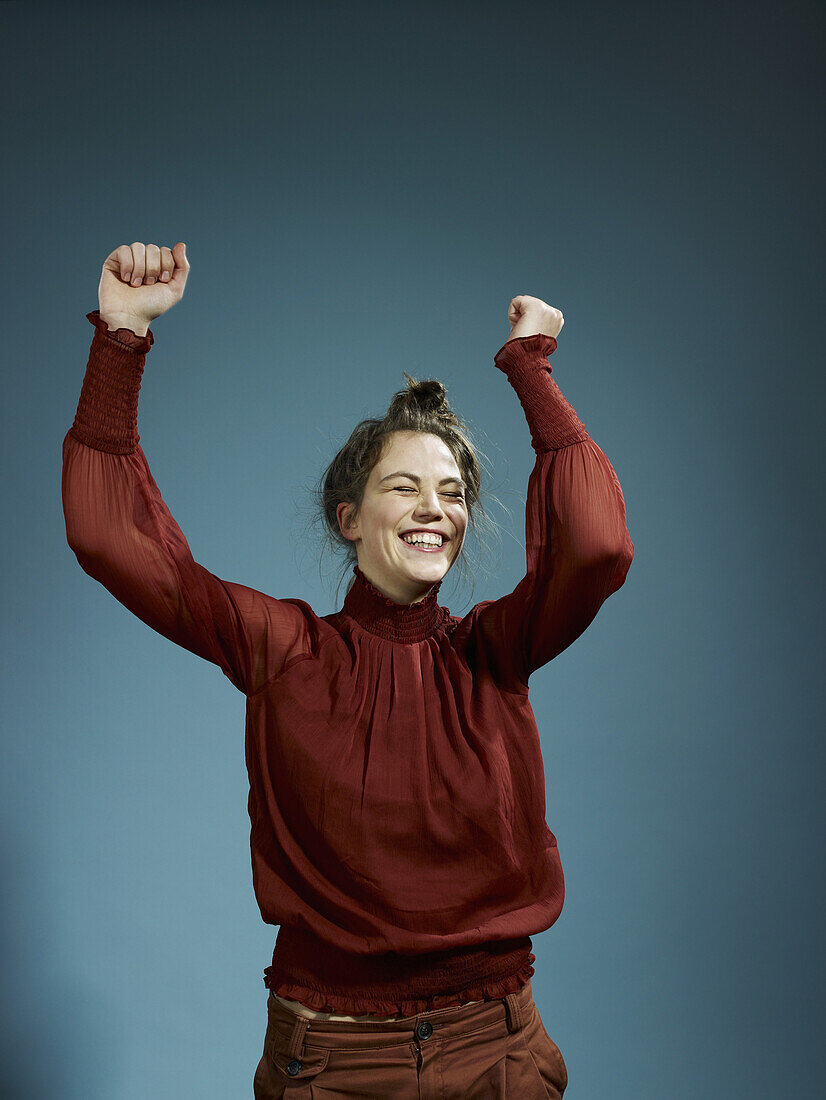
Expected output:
(362, 189)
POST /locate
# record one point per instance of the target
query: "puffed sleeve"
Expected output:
(125, 537)
(577, 543)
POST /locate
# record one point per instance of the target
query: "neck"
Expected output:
(400, 590)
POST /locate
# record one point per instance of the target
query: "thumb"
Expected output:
(516, 308)
(179, 275)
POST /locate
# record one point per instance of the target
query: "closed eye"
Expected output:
(410, 489)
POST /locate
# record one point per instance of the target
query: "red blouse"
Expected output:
(397, 799)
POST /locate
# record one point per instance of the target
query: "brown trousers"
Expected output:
(496, 1049)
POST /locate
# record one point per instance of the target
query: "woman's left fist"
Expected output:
(529, 316)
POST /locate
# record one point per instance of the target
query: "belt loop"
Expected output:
(297, 1038)
(513, 1012)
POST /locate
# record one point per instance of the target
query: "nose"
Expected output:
(428, 504)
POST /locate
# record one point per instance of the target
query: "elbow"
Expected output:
(83, 525)
(609, 557)
(620, 550)
(85, 558)
(73, 536)
(618, 563)
(78, 544)
(606, 571)
(92, 562)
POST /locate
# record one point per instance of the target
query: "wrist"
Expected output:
(115, 321)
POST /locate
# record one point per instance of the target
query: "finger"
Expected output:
(138, 262)
(124, 254)
(153, 264)
(167, 264)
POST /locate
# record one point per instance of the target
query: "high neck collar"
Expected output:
(397, 622)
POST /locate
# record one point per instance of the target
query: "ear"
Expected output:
(344, 513)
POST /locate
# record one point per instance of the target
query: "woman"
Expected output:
(396, 798)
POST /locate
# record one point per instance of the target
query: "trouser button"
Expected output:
(424, 1030)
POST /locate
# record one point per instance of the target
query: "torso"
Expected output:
(311, 1014)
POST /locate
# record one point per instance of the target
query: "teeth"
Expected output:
(423, 540)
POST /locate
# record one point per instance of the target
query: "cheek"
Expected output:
(386, 519)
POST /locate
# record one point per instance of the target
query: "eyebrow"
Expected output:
(417, 479)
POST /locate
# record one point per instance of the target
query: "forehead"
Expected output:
(418, 452)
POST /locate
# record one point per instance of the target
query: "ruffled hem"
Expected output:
(124, 336)
(359, 1004)
(520, 349)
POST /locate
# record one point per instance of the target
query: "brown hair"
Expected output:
(421, 407)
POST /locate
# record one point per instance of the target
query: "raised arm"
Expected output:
(577, 543)
(124, 536)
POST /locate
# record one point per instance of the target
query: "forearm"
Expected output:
(106, 417)
(552, 420)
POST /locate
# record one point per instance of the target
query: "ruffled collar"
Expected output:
(397, 622)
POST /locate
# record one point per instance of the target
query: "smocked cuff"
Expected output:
(107, 411)
(552, 421)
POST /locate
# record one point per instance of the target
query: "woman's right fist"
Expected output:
(140, 282)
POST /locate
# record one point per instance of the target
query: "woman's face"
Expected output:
(425, 493)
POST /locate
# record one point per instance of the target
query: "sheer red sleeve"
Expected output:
(577, 543)
(125, 537)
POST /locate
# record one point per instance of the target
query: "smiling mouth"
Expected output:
(423, 549)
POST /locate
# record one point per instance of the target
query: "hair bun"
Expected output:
(428, 395)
